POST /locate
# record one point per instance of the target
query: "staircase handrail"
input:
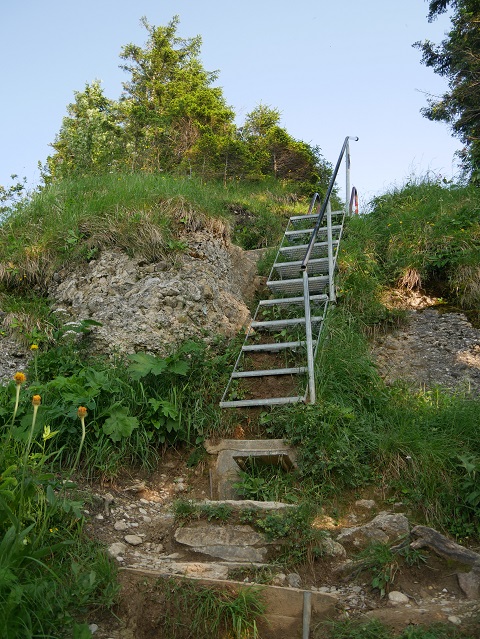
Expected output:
(323, 208)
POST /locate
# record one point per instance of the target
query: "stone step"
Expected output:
(229, 542)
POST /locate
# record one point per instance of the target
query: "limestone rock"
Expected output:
(384, 528)
(151, 309)
(395, 598)
(118, 548)
(331, 548)
(294, 580)
(469, 582)
(368, 504)
(232, 543)
(133, 540)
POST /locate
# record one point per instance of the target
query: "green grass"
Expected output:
(422, 235)
(354, 629)
(147, 215)
(195, 611)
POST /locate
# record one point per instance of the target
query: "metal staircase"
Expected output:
(283, 338)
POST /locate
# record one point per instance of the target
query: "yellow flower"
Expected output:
(34, 347)
(82, 412)
(19, 378)
(36, 400)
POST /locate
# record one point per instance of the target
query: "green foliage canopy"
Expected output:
(170, 118)
(457, 58)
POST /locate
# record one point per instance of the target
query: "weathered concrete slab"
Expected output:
(232, 455)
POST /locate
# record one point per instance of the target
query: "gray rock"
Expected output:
(232, 543)
(148, 307)
(133, 540)
(384, 528)
(294, 580)
(469, 582)
(455, 620)
(395, 598)
(279, 579)
(368, 504)
(331, 548)
(118, 548)
(120, 525)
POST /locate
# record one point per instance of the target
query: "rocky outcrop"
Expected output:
(431, 349)
(150, 307)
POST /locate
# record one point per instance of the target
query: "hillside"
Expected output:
(155, 288)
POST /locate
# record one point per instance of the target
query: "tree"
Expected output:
(91, 138)
(169, 101)
(273, 152)
(457, 58)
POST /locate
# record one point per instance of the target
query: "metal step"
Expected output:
(292, 300)
(285, 322)
(321, 231)
(312, 216)
(315, 285)
(297, 370)
(277, 346)
(298, 251)
(271, 401)
(294, 269)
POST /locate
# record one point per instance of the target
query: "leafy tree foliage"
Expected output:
(91, 137)
(169, 101)
(273, 152)
(170, 118)
(458, 59)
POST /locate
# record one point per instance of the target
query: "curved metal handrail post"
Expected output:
(353, 201)
(325, 202)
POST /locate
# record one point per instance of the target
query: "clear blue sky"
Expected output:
(331, 68)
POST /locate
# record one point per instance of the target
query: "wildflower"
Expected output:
(36, 400)
(19, 378)
(82, 413)
(34, 347)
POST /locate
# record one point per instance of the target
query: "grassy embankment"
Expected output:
(422, 446)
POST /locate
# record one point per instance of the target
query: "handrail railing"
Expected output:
(326, 200)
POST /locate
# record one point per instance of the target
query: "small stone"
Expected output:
(120, 525)
(455, 620)
(142, 511)
(294, 580)
(133, 540)
(144, 501)
(365, 503)
(99, 517)
(147, 519)
(395, 597)
(118, 548)
(279, 579)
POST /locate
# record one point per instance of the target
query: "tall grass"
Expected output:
(422, 235)
(145, 215)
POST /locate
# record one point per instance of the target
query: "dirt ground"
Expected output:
(432, 587)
